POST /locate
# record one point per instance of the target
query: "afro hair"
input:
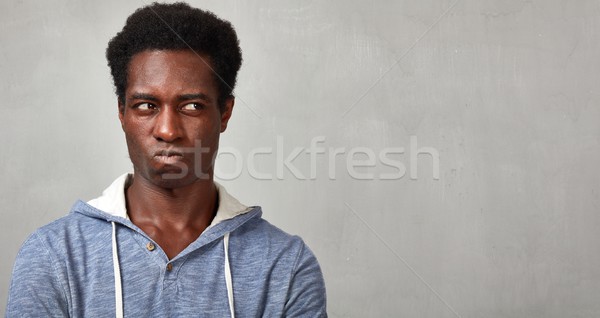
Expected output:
(176, 27)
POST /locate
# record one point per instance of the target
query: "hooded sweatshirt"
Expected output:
(95, 262)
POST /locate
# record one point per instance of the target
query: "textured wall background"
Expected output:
(505, 91)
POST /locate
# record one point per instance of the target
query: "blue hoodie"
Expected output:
(97, 263)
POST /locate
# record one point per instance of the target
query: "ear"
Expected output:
(121, 113)
(227, 111)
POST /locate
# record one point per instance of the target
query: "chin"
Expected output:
(167, 183)
(173, 176)
(173, 180)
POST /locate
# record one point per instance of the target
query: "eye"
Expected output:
(192, 106)
(145, 106)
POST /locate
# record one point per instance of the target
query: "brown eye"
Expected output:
(145, 106)
(191, 106)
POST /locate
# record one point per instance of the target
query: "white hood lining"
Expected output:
(112, 201)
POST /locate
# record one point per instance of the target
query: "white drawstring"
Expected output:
(228, 281)
(117, 275)
(117, 271)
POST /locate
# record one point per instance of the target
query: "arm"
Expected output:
(306, 296)
(36, 288)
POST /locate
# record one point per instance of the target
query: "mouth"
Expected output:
(168, 156)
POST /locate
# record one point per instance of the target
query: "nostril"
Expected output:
(167, 135)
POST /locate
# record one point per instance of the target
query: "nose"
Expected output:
(168, 125)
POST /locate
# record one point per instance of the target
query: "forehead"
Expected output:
(169, 70)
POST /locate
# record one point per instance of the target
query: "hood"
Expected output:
(112, 203)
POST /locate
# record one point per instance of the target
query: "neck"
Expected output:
(187, 207)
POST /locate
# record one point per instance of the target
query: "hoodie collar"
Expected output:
(112, 201)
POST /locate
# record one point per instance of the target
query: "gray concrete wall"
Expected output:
(505, 92)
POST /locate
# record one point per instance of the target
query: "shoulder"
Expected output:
(259, 231)
(66, 233)
(264, 242)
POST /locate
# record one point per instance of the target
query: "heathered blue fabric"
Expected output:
(65, 269)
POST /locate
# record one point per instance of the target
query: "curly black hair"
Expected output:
(176, 26)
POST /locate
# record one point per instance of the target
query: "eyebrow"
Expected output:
(201, 96)
(180, 98)
(143, 96)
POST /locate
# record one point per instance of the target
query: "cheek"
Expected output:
(205, 129)
(132, 147)
(134, 129)
(135, 142)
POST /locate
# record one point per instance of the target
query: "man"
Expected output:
(167, 241)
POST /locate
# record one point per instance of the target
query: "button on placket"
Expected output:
(150, 246)
(169, 278)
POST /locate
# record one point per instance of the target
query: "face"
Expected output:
(171, 117)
